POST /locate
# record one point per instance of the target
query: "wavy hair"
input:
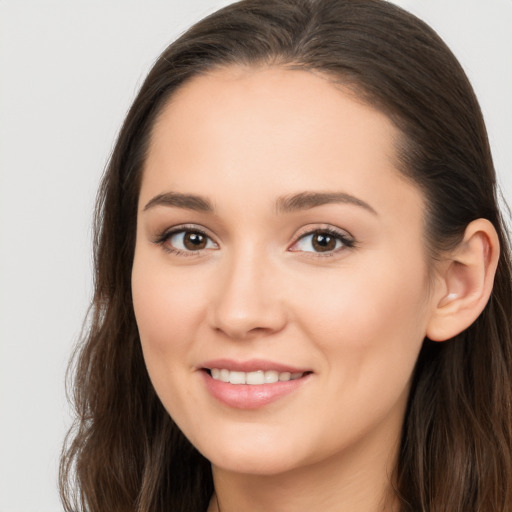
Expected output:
(124, 453)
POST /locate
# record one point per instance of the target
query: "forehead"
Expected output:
(286, 103)
(252, 131)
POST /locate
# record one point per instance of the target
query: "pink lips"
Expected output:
(250, 396)
(250, 366)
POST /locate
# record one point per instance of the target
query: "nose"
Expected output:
(248, 300)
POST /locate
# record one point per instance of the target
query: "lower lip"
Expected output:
(250, 396)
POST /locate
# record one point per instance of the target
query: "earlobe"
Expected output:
(465, 281)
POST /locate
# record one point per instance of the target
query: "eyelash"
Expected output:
(347, 242)
(168, 233)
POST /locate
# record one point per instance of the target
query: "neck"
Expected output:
(352, 482)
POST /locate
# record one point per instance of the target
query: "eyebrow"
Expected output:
(307, 200)
(187, 201)
(285, 204)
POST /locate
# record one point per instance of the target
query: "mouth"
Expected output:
(253, 378)
(251, 384)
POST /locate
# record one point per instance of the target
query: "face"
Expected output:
(280, 279)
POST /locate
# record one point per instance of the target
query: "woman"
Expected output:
(303, 283)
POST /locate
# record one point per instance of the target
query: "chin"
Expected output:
(252, 456)
(253, 464)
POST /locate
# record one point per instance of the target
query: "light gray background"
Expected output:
(68, 72)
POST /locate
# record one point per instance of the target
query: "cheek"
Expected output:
(369, 311)
(168, 313)
(167, 306)
(371, 326)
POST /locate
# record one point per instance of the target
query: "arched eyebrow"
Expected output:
(307, 200)
(284, 204)
(178, 200)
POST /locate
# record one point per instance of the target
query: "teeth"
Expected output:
(253, 378)
(271, 376)
(237, 377)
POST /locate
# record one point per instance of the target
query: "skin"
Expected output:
(354, 316)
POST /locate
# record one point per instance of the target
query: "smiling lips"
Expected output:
(252, 384)
(254, 378)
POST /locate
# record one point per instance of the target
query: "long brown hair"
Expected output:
(124, 453)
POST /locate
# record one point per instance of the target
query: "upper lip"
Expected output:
(250, 365)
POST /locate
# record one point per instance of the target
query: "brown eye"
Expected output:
(187, 241)
(323, 242)
(194, 241)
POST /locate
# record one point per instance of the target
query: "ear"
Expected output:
(465, 281)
